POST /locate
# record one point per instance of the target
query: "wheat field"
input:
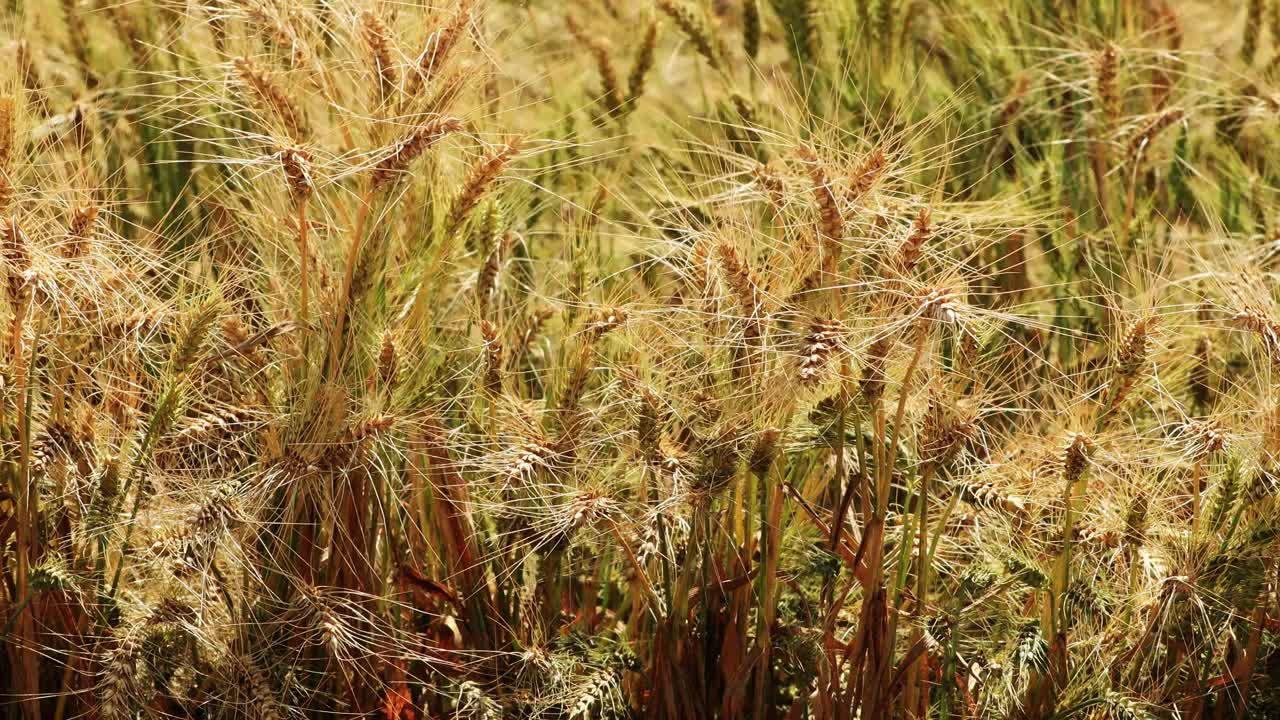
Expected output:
(663, 359)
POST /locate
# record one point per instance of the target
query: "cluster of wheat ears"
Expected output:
(760, 359)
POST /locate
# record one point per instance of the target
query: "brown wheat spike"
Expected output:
(439, 46)
(140, 322)
(1075, 457)
(832, 224)
(570, 411)
(865, 176)
(1271, 433)
(1165, 20)
(873, 370)
(1265, 483)
(830, 220)
(1129, 361)
(1273, 23)
(80, 231)
(1147, 132)
(530, 458)
(393, 164)
(824, 339)
(478, 181)
(265, 90)
(1134, 346)
(1105, 86)
(448, 89)
(1204, 438)
(244, 345)
(741, 280)
(771, 184)
(967, 355)
(120, 686)
(211, 424)
(388, 361)
(599, 48)
(604, 321)
(8, 134)
(355, 440)
(765, 451)
(17, 257)
(378, 40)
(211, 518)
(1014, 100)
(129, 31)
(937, 305)
(1135, 520)
(265, 701)
(946, 430)
(533, 326)
(274, 29)
(692, 25)
(701, 277)
(746, 111)
(649, 417)
(747, 130)
(1087, 534)
(51, 445)
(987, 495)
(718, 459)
(595, 696)
(492, 358)
(642, 64)
(751, 28)
(487, 279)
(296, 163)
(74, 18)
(885, 30)
(1257, 322)
(1252, 26)
(913, 247)
(586, 509)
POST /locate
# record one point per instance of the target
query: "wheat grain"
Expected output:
(694, 26)
(397, 158)
(377, 38)
(266, 91)
(478, 182)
